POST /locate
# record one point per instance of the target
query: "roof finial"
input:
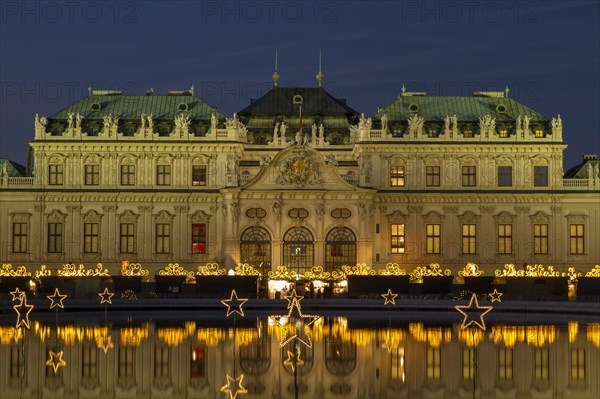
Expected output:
(506, 90)
(275, 75)
(89, 90)
(320, 75)
(403, 89)
(192, 89)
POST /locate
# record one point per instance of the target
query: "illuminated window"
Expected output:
(397, 238)
(539, 133)
(340, 248)
(255, 248)
(92, 175)
(432, 176)
(126, 361)
(197, 366)
(127, 175)
(55, 175)
(469, 239)
(469, 176)
(434, 367)
(397, 372)
(19, 237)
(126, 238)
(199, 238)
(542, 364)
(505, 239)
(161, 362)
(90, 237)
(468, 133)
(163, 238)
(55, 237)
(433, 238)
(397, 176)
(163, 175)
(298, 249)
(468, 362)
(198, 175)
(540, 238)
(504, 176)
(540, 176)
(576, 239)
(503, 133)
(578, 364)
(505, 363)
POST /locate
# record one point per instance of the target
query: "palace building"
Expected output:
(299, 178)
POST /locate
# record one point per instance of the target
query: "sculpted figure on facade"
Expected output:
(5, 168)
(70, 121)
(182, 123)
(78, 120)
(213, 121)
(283, 128)
(142, 121)
(384, 123)
(299, 137)
(320, 209)
(313, 130)
(40, 123)
(265, 160)
(415, 125)
(447, 125)
(150, 122)
(330, 160)
(597, 171)
(362, 123)
(276, 130)
(556, 124)
(590, 171)
(487, 125)
(322, 131)
(454, 120)
(519, 125)
(366, 165)
(276, 209)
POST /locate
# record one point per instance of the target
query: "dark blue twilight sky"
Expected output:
(547, 52)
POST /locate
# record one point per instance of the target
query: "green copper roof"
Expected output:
(582, 170)
(131, 107)
(14, 169)
(465, 108)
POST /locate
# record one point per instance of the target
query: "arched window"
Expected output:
(340, 248)
(256, 248)
(255, 358)
(340, 356)
(298, 249)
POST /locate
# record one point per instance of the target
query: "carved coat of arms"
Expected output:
(299, 169)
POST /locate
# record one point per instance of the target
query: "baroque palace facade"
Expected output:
(298, 178)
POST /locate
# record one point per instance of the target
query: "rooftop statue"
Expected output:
(70, 121)
(78, 119)
(384, 122)
(142, 121)
(213, 121)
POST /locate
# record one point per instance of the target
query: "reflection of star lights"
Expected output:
(470, 311)
(16, 294)
(56, 361)
(293, 360)
(105, 343)
(56, 299)
(105, 297)
(234, 304)
(234, 386)
(495, 296)
(389, 297)
(23, 310)
(295, 315)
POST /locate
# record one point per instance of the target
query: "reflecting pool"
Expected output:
(205, 355)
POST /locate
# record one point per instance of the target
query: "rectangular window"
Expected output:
(540, 176)
(503, 133)
(542, 364)
(163, 238)
(127, 175)
(505, 363)
(397, 176)
(432, 176)
(161, 362)
(469, 176)
(198, 175)
(197, 365)
(397, 238)
(468, 363)
(397, 367)
(55, 175)
(504, 176)
(92, 175)
(199, 238)
(163, 175)
(434, 369)
(576, 239)
(540, 239)
(126, 238)
(539, 133)
(469, 239)
(125, 361)
(433, 238)
(504, 239)
(89, 361)
(90, 237)
(578, 364)
(55, 237)
(19, 237)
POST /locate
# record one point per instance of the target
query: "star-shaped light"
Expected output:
(105, 343)
(495, 296)
(16, 294)
(234, 386)
(23, 310)
(470, 311)
(105, 297)
(389, 297)
(295, 315)
(56, 361)
(293, 297)
(293, 360)
(234, 304)
(56, 299)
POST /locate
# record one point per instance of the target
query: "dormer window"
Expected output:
(468, 133)
(539, 133)
(503, 133)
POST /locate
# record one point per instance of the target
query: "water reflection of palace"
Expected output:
(188, 360)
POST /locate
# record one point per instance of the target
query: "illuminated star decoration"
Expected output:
(470, 311)
(56, 299)
(293, 361)
(16, 294)
(23, 310)
(105, 343)
(105, 297)
(293, 297)
(495, 296)
(234, 304)
(56, 361)
(234, 386)
(389, 297)
(295, 313)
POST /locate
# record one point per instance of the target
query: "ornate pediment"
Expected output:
(20, 217)
(397, 216)
(504, 218)
(200, 216)
(92, 216)
(299, 169)
(56, 216)
(576, 218)
(164, 217)
(433, 217)
(468, 217)
(128, 216)
(539, 217)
